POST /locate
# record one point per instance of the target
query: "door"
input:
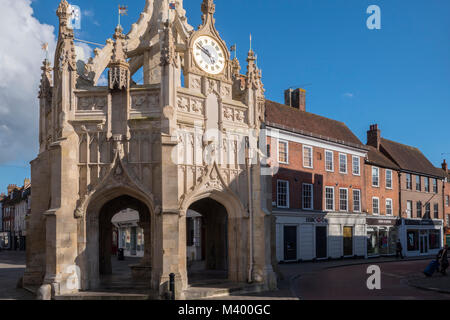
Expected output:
(348, 241)
(423, 242)
(321, 242)
(290, 243)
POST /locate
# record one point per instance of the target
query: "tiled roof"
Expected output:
(409, 158)
(285, 117)
(378, 158)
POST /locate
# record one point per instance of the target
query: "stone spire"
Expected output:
(119, 69)
(46, 80)
(66, 49)
(253, 73)
(208, 9)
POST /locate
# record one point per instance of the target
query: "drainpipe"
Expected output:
(250, 208)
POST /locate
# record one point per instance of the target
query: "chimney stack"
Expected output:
(374, 136)
(11, 188)
(445, 166)
(295, 98)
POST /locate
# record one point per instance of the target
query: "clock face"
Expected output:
(209, 55)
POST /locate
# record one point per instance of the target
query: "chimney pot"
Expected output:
(445, 166)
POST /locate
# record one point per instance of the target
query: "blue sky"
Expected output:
(398, 76)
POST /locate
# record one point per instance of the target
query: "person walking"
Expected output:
(442, 258)
(399, 250)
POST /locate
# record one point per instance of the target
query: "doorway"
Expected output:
(423, 240)
(207, 241)
(321, 242)
(348, 241)
(290, 243)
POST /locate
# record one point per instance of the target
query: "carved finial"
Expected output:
(236, 68)
(46, 80)
(208, 9)
(63, 10)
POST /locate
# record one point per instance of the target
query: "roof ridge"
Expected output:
(311, 113)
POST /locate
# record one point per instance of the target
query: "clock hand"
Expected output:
(204, 50)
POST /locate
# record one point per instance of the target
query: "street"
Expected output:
(349, 282)
(309, 281)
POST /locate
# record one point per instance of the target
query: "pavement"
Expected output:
(335, 279)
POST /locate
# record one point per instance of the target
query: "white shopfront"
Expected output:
(301, 236)
(421, 236)
(306, 236)
(346, 235)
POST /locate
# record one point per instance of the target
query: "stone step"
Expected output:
(107, 296)
(197, 292)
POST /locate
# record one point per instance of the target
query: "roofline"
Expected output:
(381, 165)
(317, 136)
(421, 173)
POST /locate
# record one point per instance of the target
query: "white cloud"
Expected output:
(21, 56)
(348, 95)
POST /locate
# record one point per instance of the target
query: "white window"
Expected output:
(282, 194)
(409, 209)
(389, 207)
(388, 179)
(283, 151)
(447, 200)
(329, 198)
(329, 161)
(307, 157)
(375, 177)
(342, 163)
(307, 196)
(343, 199)
(356, 200)
(355, 165)
(375, 205)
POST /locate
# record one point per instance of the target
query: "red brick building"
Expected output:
(318, 196)
(446, 201)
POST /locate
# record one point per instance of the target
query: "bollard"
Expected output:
(172, 286)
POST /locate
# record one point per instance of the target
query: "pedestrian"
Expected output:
(399, 250)
(443, 259)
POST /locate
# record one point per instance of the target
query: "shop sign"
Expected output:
(381, 222)
(410, 222)
(316, 220)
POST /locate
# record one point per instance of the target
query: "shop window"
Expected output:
(372, 242)
(434, 237)
(412, 238)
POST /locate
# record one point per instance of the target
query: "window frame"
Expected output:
(435, 185)
(287, 194)
(392, 206)
(332, 160)
(419, 185)
(373, 211)
(312, 156)
(359, 200)
(409, 216)
(287, 151)
(333, 199)
(419, 209)
(346, 204)
(346, 164)
(408, 187)
(353, 165)
(436, 210)
(303, 196)
(378, 177)
(427, 184)
(386, 179)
